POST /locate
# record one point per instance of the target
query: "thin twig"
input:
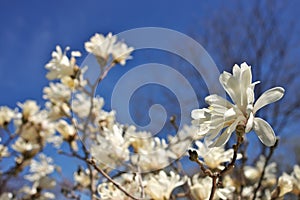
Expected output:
(240, 130)
(235, 153)
(173, 122)
(272, 148)
(117, 185)
(213, 188)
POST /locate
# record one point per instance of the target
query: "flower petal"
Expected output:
(198, 114)
(249, 124)
(216, 99)
(264, 132)
(224, 137)
(268, 97)
(231, 86)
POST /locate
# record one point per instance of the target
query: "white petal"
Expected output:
(268, 97)
(249, 124)
(224, 137)
(215, 99)
(231, 86)
(230, 114)
(198, 114)
(264, 132)
(213, 133)
(250, 95)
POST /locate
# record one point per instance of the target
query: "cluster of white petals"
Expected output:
(224, 116)
(214, 157)
(253, 173)
(200, 188)
(115, 157)
(161, 185)
(104, 47)
(6, 115)
(110, 147)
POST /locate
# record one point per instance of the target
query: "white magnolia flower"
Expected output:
(6, 115)
(59, 96)
(57, 93)
(129, 182)
(200, 188)
(33, 125)
(68, 133)
(82, 103)
(101, 46)
(7, 196)
(29, 109)
(82, 177)
(160, 186)
(104, 47)
(285, 183)
(41, 168)
(110, 148)
(60, 65)
(121, 52)
(179, 143)
(216, 156)
(152, 154)
(296, 179)
(221, 114)
(25, 147)
(253, 173)
(35, 190)
(3, 151)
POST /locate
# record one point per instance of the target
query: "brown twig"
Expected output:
(213, 188)
(117, 185)
(173, 122)
(272, 148)
(218, 175)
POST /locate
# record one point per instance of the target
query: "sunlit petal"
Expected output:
(264, 132)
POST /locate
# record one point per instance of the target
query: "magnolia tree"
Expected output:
(118, 161)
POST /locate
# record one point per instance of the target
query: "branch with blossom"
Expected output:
(121, 162)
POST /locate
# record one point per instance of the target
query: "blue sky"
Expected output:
(31, 29)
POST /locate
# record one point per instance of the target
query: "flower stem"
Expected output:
(272, 148)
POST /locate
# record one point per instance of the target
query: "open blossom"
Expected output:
(121, 52)
(41, 168)
(59, 96)
(57, 92)
(221, 114)
(24, 147)
(104, 47)
(151, 153)
(296, 179)
(285, 184)
(3, 151)
(6, 115)
(129, 182)
(68, 133)
(36, 190)
(81, 177)
(179, 143)
(29, 109)
(110, 148)
(200, 188)
(60, 65)
(214, 157)
(160, 186)
(253, 173)
(82, 103)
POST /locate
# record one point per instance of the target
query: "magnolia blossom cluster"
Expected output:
(117, 161)
(224, 116)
